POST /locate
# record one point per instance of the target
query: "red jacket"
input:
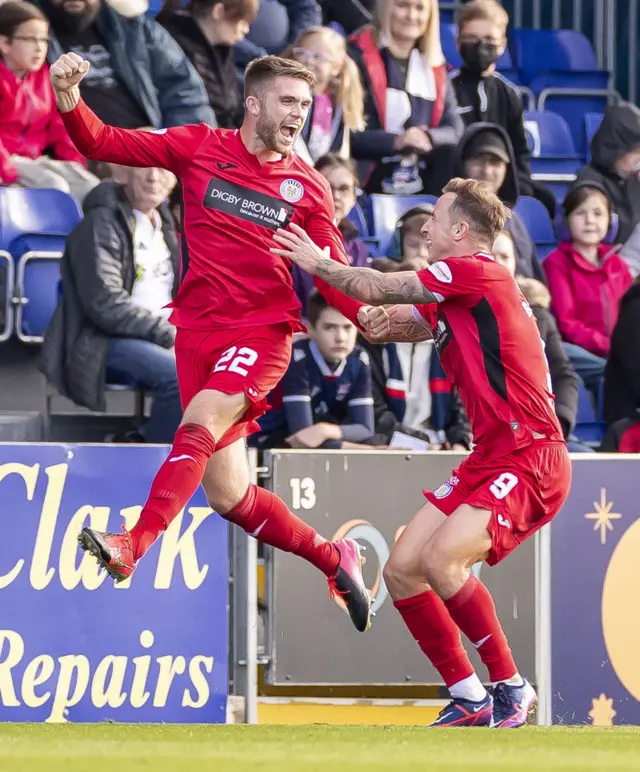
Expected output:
(29, 121)
(585, 297)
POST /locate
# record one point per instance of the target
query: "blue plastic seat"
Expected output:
(538, 223)
(588, 428)
(552, 149)
(357, 217)
(386, 211)
(33, 227)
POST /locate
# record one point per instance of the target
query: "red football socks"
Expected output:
(473, 610)
(174, 484)
(266, 517)
(429, 622)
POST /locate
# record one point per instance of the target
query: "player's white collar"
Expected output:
(322, 365)
(485, 254)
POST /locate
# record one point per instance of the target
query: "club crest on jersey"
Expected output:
(291, 191)
(446, 488)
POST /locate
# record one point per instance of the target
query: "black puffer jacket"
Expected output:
(214, 64)
(622, 373)
(98, 273)
(618, 134)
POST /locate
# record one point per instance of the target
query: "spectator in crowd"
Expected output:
(563, 377)
(408, 250)
(139, 75)
(486, 154)
(587, 279)
(340, 175)
(622, 373)
(486, 96)
(325, 399)
(615, 165)
(119, 271)
(410, 106)
(206, 31)
(349, 14)
(277, 25)
(29, 120)
(338, 107)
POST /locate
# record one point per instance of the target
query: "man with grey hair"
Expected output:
(119, 272)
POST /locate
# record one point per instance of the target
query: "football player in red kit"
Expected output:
(235, 310)
(519, 473)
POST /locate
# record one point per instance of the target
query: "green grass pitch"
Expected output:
(170, 748)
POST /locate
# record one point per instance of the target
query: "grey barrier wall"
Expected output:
(370, 496)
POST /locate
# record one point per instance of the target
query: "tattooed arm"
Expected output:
(363, 284)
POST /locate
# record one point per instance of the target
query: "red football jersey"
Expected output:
(490, 348)
(232, 206)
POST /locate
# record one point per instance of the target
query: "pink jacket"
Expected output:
(585, 297)
(29, 121)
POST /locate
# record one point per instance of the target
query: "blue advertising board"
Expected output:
(74, 647)
(595, 587)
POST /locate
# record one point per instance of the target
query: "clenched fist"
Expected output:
(374, 322)
(66, 74)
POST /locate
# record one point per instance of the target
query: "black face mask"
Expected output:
(478, 56)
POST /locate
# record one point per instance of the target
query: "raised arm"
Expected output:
(166, 148)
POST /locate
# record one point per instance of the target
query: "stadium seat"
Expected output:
(7, 283)
(588, 429)
(564, 58)
(553, 155)
(592, 123)
(536, 218)
(33, 227)
(32, 220)
(357, 217)
(448, 37)
(386, 211)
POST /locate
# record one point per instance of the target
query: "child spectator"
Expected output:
(587, 279)
(325, 396)
(29, 120)
(408, 249)
(563, 377)
(338, 103)
(341, 176)
(486, 96)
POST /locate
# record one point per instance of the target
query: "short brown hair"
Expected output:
(485, 10)
(263, 71)
(12, 15)
(483, 210)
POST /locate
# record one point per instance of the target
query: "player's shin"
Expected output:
(174, 484)
(474, 612)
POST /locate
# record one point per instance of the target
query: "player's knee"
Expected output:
(437, 563)
(398, 577)
(215, 411)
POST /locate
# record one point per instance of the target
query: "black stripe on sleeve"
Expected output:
(489, 336)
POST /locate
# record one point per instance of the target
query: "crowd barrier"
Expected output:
(179, 642)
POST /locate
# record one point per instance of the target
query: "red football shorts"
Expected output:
(247, 359)
(523, 492)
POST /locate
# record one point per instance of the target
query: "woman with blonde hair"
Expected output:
(410, 105)
(338, 104)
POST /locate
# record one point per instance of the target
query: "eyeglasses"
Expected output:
(31, 39)
(310, 56)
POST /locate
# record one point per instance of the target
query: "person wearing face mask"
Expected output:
(615, 165)
(484, 95)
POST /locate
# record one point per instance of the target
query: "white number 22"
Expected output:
(245, 358)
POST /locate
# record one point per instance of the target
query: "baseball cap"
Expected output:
(488, 141)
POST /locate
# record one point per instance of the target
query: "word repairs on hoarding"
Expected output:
(74, 646)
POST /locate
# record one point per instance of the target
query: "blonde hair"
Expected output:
(485, 10)
(429, 44)
(346, 89)
(482, 209)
